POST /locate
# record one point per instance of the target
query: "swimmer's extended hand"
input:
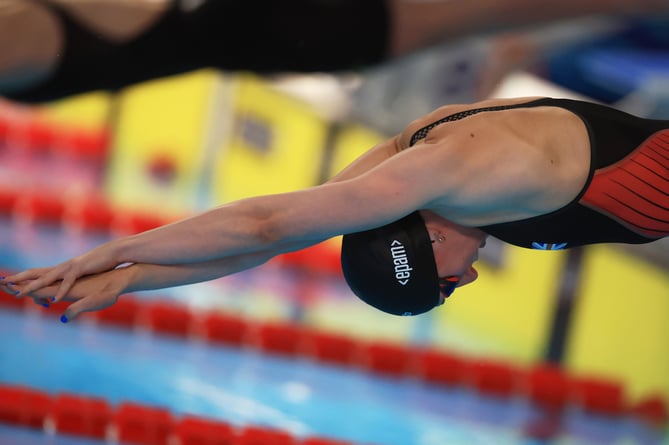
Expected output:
(100, 259)
(87, 294)
(98, 291)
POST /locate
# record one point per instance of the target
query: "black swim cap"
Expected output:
(392, 267)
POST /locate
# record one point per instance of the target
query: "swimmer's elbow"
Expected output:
(282, 230)
(308, 215)
(269, 232)
(271, 228)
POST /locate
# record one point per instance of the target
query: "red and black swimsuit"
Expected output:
(626, 196)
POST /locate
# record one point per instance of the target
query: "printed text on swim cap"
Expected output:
(401, 262)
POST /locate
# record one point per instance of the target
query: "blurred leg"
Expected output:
(109, 44)
(117, 20)
(36, 37)
(63, 47)
(418, 23)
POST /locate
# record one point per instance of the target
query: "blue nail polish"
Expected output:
(46, 305)
(63, 319)
(53, 299)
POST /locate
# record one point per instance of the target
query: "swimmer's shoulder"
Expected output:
(405, 136)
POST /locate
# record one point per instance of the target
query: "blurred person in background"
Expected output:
(539, 173)
(56, 48)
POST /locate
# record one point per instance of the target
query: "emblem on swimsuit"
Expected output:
(549, 246)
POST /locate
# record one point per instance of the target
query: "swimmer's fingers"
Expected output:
(14, 289)
(9, 284)
(41, 297)
(64, 288)
(32, 279)
(90, 303)
(26, 275)
(66, 273)
(94, 292)
(44, 302)
(94, 262)
(9, 288)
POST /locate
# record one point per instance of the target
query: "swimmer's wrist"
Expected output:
(130, 277)
(120, 250)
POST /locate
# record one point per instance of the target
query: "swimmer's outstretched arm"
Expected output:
(243, 227)
(272, 223)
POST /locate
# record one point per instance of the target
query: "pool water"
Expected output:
(238, 385)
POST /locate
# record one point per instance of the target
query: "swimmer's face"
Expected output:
(456, 249)
(457, 262)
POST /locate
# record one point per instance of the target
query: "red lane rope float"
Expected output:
(387, 359)
(23, 406)
(652, 410)
(495, 378)
(260, 436)
(329, 348)
(548, 387)
(193, 430)
(43, 206)
(80, 416)
(600, 396)
(224, 329)
(141, 424)
(132, 423)
(283, 338)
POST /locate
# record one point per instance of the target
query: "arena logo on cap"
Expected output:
(401, 262)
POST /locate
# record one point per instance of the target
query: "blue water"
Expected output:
(238, 386)
(22, 436)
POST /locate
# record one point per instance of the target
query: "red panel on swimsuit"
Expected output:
(635, 190)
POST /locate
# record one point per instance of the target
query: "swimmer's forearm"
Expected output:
(143, 277)
(234, 229)
(272, 223)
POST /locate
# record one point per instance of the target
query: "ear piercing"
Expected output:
(440, 238)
